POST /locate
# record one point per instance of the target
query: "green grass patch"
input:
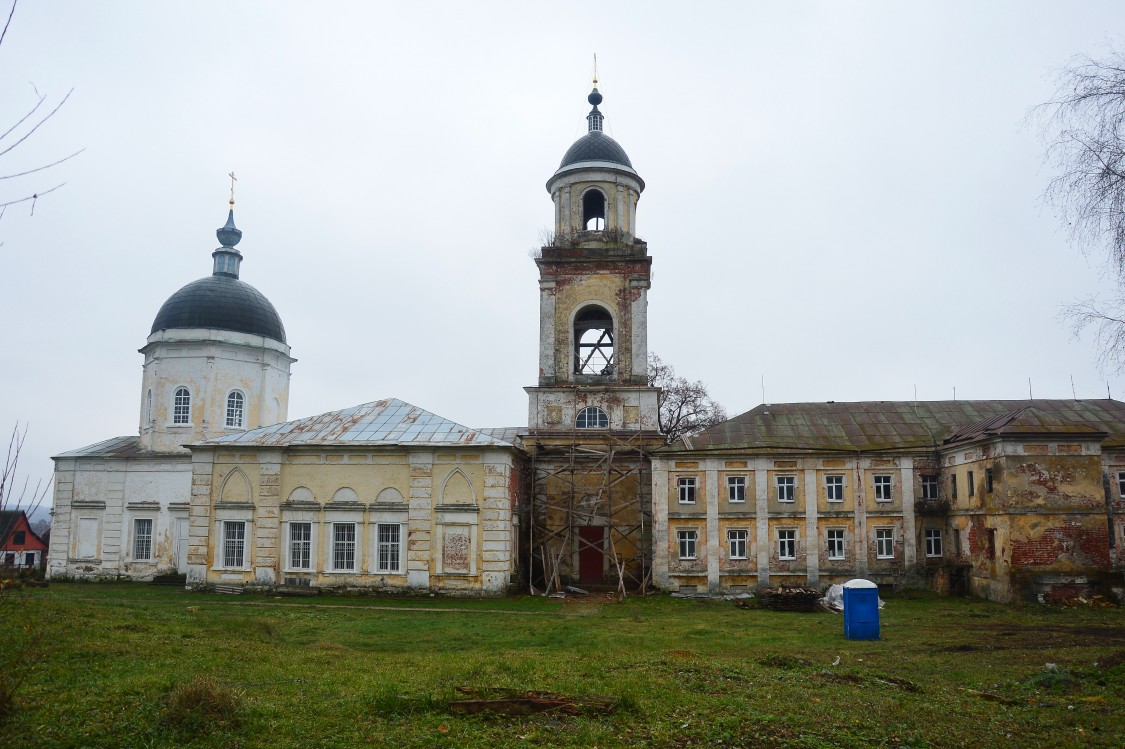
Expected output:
(133, 665)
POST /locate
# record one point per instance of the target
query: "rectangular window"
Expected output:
(929, 487)
(834, 488)
(343, 546)
(736, 488)
(300, 546)
(835, 543)
(142, 539)
(786, 488)
(787, 543)
(686, 539)
(884, 543)
(953, 486)
(1121, 484)
(737, 541)
(234, 543)
(991, 543)
(389, 551)
(687, 491)
(883, 488)
(933, 542)
(988, 480)
(972, 485)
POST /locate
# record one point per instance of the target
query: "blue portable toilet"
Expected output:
(861, 610)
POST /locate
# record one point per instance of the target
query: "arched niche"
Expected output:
(236, 488)
(457, 489)
(345, 494)
(390, 495)
(302, 495)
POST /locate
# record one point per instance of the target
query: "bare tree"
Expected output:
(18, 134)
(1084, 126)
(685, 406)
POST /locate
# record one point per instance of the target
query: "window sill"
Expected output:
(885, 559)
(837, 559)
(787, 559)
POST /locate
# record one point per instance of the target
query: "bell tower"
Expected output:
(592, 417)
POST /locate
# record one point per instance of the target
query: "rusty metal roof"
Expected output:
(894, 425)
(117, 447)
(385, 422)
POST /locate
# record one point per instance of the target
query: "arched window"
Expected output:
(181, 406)
(593, 209)
(236, 403)
(593, 341)
(591, 418)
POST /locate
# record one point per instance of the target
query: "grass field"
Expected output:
(341, 672)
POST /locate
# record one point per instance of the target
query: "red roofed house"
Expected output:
(20, 547)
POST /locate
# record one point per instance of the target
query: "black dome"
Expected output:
(596, 146)
(220, 302)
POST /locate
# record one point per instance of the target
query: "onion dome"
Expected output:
(222, 301)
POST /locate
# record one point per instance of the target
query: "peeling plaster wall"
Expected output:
(764, 514)
(102, 497)
(454, 509)
(211, 364)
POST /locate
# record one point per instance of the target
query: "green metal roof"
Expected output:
(895, 425)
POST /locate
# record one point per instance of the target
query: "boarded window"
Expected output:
(87, 538)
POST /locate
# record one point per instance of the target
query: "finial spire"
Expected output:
(233, 179)
(595, 118)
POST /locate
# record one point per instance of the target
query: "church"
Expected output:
(1003, 499)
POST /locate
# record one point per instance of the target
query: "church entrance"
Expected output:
(591, 554)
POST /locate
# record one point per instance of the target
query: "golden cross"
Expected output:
(233, 179)
(595, 70)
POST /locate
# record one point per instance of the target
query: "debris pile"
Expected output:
(526, 702)
(784, 598)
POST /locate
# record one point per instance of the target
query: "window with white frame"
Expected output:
(736, 540)
(883, 488)
(884, 543)
(835, 543)
(933, 542)
(142, 539)
(686, 486)
(787, 543)
(300, 546)
(736, 488)
(834, 488)
(234, 543)
(929, 487)
(591, 418)
(388, 554)
(181, 406)
(236, 408)
(343, 546)
(686, 538)
(1121, 484)
(786, 488)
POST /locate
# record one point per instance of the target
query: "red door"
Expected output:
(591, 559)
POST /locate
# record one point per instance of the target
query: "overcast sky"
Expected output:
(842, 198)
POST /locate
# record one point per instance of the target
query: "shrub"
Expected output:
(202, 705)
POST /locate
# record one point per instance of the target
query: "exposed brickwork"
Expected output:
(1070, 542)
